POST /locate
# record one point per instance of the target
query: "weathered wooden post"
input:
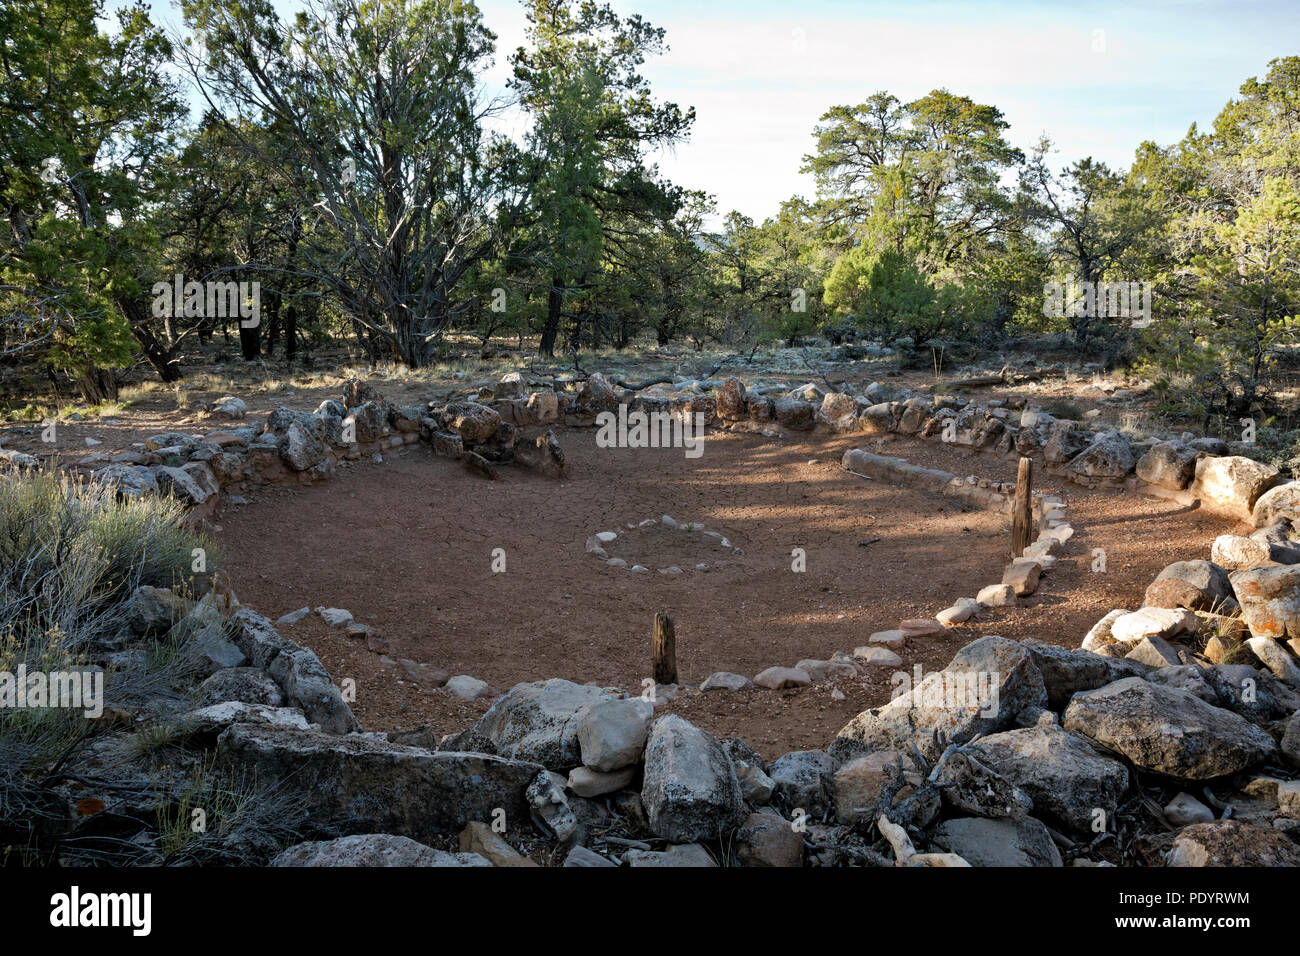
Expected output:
(663, 646)
(1022, 515)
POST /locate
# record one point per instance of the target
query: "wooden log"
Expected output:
(986, 381)
(1022, 516)
(663, 647)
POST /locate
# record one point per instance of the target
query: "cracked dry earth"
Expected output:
(406, 546)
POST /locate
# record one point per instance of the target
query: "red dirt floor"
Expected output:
(406, 546)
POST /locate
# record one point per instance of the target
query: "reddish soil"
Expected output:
(406, 546)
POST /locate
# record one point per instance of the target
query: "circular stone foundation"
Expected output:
(665, 545)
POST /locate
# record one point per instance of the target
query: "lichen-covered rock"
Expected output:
(365, 423)
(732, 406)
(1270, 600)
(1238, 553)
(1066, 672)
(248, 684)
(1232, 843)
(1065, 775)
(297, 670)
(690, 790)
(984, 688)
(535, 721)
(472, 421)
(795, 415)
(373, 849)
(301, 450)
(387, 787)
(1109, 456)
(803, 781)
(1167, 730)
(130, 481)
(1169, 465)
(1281, 501)
(839, 411)
(191, 484)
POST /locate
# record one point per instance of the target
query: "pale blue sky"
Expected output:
(1098, 77)
(761, 72)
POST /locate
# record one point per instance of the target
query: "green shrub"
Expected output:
(71, 552)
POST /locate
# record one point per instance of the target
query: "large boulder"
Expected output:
(1066, 672)
(1281, 501)
(472, 421)
(1109, 456)
(983, 842)
(1270, 600)
(1256, 695)
(1169, 465)
(1195, 585)
(297, 670)
(1064, 774)
(1235, 552)
(612, 733)
(803, 781)
(1064, 441)
(690, 791)
(1166, 730)
(129, 481)
(366, 423)
(1231, 485)
(535, 721)
(732, 406)
(839, 411)
(795, 415)
(386, 787)
(301, 450)
(982, 690)
(1153, 622)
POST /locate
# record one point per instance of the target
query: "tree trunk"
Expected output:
(96, 385)
(290, 333)
(250, 341)
(161, 353)
(554, 303)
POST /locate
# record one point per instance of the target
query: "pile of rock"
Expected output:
(306, 446)
(1017, 753)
